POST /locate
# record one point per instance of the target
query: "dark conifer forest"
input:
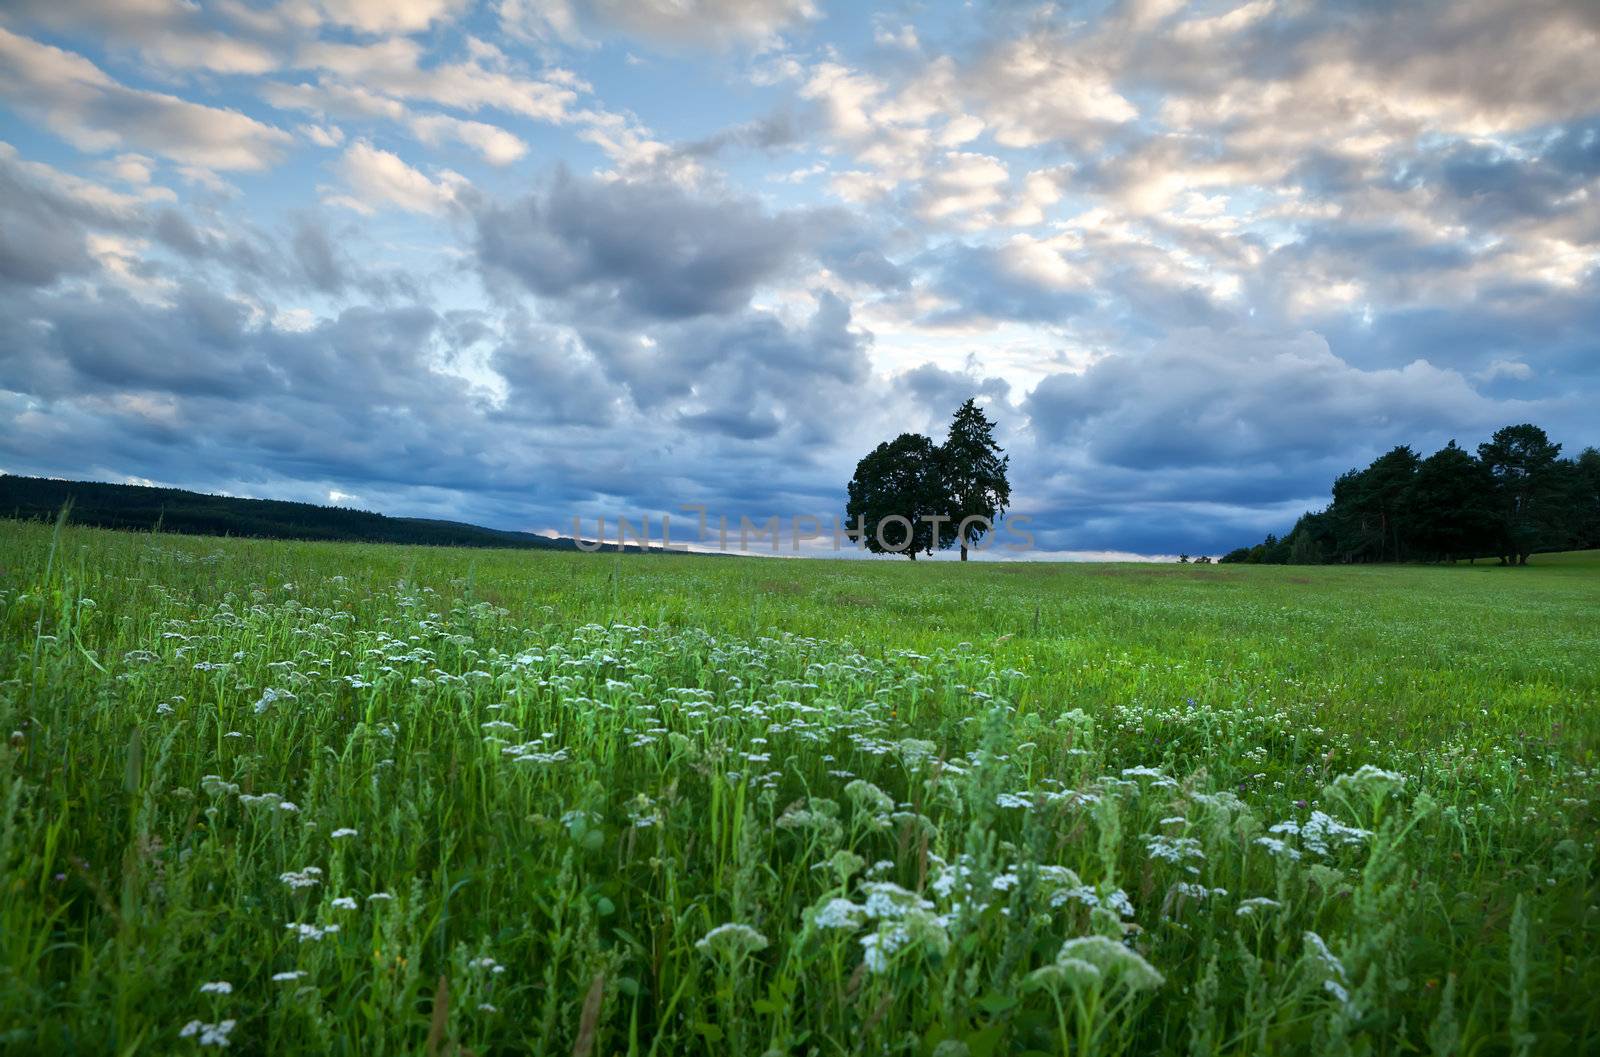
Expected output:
(1514, 497)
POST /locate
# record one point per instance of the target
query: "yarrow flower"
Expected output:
(839, 914)
(217, 987)
(866, 795)
(306, 878)
(1070, 973)
(916, 929)
(210, 1034)
(342, 832)
(1113, 960)
(344, 903)
(286, 977)
(311, 933)
(1373, 781)
(732, 938)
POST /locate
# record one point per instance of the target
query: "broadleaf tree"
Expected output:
(901, 478)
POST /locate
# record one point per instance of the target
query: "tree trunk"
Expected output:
(913, 555)
(963, 552)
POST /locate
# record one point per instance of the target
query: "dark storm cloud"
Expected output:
(941, 391)
(317, 258)
(1203, 398)
(46, 219)
(1210, 439)
(651, 250)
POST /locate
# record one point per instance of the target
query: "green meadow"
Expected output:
(286, 798)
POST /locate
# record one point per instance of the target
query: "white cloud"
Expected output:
(962, 183)
(717, 23)
(165, 33)
(394, 68)
(390, 16)
(1512, 370)
(79, 102)
(322, 135)
(1034, 92)
(380, 177)
(497, 146)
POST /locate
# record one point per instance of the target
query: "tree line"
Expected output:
(142, 508)
(910, 495)
(1516, 496)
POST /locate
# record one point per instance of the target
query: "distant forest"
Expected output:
(1516, 497)
(136, 507)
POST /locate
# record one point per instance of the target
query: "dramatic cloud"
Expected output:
(650, 249)
(511, 260)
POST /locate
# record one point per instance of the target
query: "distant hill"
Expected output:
(139, 508)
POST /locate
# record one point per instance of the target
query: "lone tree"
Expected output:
(975, 475)
(897, 495)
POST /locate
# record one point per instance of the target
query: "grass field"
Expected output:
(343, 799)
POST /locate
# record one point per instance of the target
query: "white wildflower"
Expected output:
(269, 696)
(887, 900)
(732, 938)
(839, 914)
(210, 1034)
(217, 987)
(306, 878)
(868, 796)
(1113, 960)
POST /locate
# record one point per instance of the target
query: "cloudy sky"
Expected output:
(513, 260)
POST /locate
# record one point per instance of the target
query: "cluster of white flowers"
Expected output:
(209, 1034)
(269, 697)
(269, 800)
(733, 939)
(1174, 850)
(310, 933)
(307, 877)
(1334, 980)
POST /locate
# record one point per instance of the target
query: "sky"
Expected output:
(516, 261)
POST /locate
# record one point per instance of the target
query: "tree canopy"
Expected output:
(975, 475)
(938, 495)
(1514, 498)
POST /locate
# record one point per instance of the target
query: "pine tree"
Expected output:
(975, 474)
(1527, 485)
